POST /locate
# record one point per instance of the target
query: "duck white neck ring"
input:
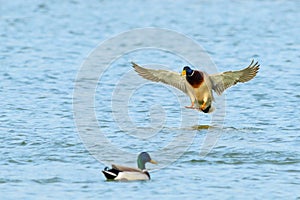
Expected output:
(192, 73)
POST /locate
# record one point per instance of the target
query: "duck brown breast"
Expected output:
(195, 79)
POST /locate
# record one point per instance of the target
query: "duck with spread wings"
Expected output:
(198, 85)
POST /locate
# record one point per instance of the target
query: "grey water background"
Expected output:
(44, 43)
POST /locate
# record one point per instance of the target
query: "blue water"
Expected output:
(43, 47)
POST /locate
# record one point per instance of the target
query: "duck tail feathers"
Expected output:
(209, 109)
(110, 174)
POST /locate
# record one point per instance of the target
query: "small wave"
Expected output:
(48, 180)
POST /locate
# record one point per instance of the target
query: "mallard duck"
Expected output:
(198, 85)
(118, 172)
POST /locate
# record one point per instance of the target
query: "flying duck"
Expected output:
(121, 173)
(198, 85)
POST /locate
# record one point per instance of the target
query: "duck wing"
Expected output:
(126, 169)
(220, 82)
(168, 77)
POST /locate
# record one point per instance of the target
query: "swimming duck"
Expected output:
(198, 85)
(118, 172)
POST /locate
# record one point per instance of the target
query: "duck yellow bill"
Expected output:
(153, 161)
(183, 73)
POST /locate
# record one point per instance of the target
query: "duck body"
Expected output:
(201, 96)
(130, 175)
(124, 173)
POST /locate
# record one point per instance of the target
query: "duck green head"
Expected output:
(143, 158)
(187, 71)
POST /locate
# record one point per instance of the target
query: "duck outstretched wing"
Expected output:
(168, 77)
(220, 82)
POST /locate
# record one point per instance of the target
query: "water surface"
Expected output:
(43, 45)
